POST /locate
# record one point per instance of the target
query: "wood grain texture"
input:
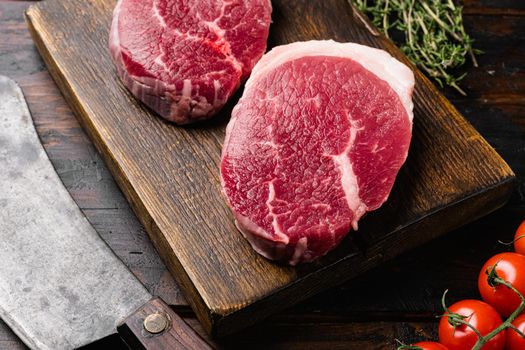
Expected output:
(178, 335)
(170, 174)
(303, 332)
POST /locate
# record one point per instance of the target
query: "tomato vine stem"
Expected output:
(496, 280)
(493, 280)
(403, 346)
(512, 242)
(456, 319)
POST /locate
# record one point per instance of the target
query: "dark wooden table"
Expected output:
(400, 300)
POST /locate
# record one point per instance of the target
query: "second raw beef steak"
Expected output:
(315, 142)
(185, 58)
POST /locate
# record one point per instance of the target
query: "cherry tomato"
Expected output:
(514, 340)
(430, 345)
(480, 315)
(519, 239)
(511, 268)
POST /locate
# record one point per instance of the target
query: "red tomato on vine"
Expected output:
(511, 268)
(430, 345)
(480, 315)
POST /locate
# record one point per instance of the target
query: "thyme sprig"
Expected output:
(434, 36)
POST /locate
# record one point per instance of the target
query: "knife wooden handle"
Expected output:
(155, 326)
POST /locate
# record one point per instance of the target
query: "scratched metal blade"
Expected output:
(61, 286)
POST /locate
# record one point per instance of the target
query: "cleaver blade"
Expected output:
(61, 286)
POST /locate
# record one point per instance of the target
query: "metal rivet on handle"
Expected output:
(156, 323)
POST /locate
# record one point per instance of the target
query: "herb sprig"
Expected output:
(434, 35)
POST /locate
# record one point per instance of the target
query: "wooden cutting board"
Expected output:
(170, 174)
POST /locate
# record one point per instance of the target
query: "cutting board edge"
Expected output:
(492, 199)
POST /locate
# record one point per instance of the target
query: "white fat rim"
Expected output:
(398, 76)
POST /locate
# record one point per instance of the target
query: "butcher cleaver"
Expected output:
(61, 286)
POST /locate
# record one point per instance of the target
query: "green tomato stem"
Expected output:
(508, 322)
(403, 346)
(512, 242)
(494, 280)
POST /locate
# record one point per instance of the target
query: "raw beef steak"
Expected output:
(185, 58)
(315, 142)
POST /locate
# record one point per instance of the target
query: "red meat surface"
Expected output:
(185, 58)
(315, 142)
